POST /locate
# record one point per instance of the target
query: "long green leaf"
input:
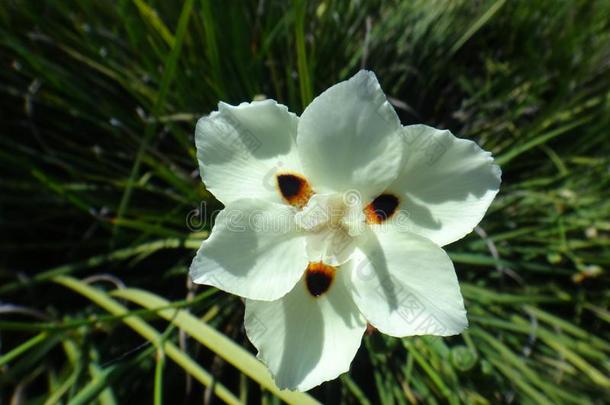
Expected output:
(188, 364)
(215, 341)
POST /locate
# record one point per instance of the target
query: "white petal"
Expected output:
(303, 340)
(446, 185)
(406, 285)
(241, 148)
(349, 138)
(316, 214)
(255, 251)
(332, 246)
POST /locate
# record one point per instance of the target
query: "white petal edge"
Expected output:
(348, 138)
(255, 251)
(303, 340)
(446, 185)
(241, 148)
(406, 285)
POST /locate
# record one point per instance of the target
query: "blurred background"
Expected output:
(102, 208)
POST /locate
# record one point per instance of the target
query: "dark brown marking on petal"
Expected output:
(295, 190)
(382, 208)
(318, 278)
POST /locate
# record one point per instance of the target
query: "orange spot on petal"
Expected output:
(381, 208)
(318, 278)
(295, 190)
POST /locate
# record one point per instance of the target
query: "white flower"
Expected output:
(336, 219)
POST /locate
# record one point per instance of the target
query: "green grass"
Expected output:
(98, 105)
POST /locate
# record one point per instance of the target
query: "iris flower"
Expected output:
(336, 219)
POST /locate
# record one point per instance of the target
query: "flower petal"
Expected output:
(406, 285)
(333, 246)
(349, 138)
(446, 185)
(306, 340)
(255, 251)
(241, 149)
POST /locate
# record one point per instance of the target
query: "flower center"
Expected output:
(318, 278)
(330, 212)
(381, 208)
(332, 223)
(295, 190)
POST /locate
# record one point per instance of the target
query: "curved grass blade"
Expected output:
(149, 333)
(215, 341)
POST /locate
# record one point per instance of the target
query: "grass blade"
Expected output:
(215, 341)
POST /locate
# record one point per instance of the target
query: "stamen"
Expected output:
(294, 189)
(382, 208)
(318, 278)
